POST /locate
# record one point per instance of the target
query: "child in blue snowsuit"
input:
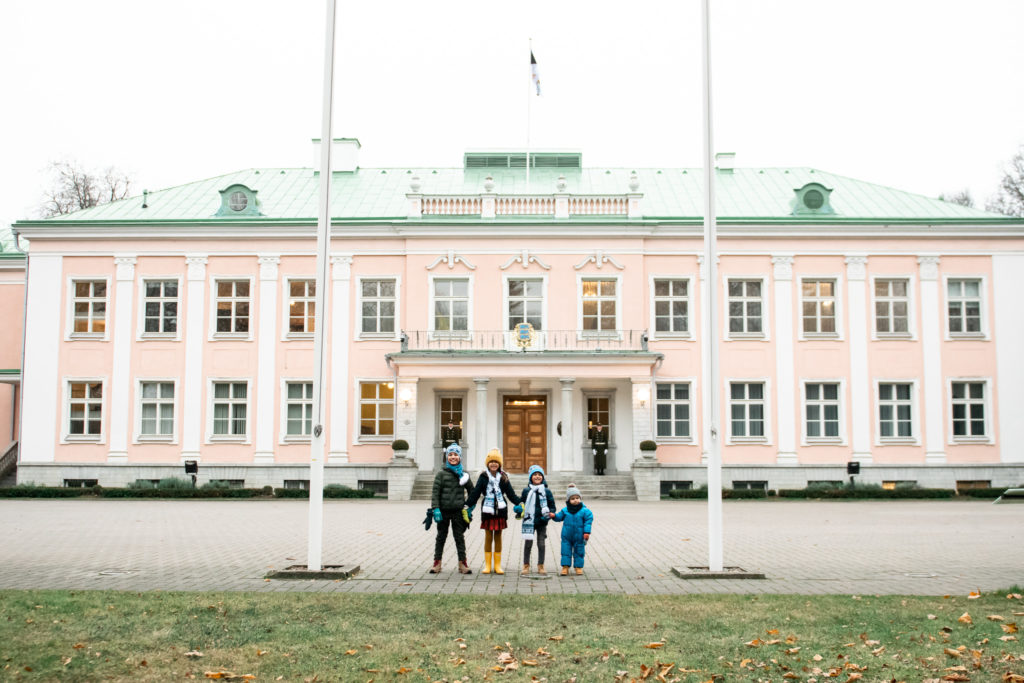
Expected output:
(577, 520)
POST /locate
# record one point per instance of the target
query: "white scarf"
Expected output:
(529, 520)
(493, 496)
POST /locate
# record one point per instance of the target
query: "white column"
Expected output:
(475, 458)
(861, 426)
(566, 461)
(640, 387)
(120, 378)
(932, 391)
(40, 382)
(1007, 330)
(785, 391)
(193, 395)
(341, 314)
(266, 372)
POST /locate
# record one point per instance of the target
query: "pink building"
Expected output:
(859, 323)
(12, 312)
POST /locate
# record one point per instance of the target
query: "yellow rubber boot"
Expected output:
(497, 564)
(487, 564)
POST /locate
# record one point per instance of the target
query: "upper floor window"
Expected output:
(969, 410)
(672, 410)
(892, 306)
(232, 306)
(378, 302)
(745, 308)
(89, 307)
(671, 306)
(964, 302)
(525, 303)
(156, 409)
(747, 410)
(376, 409)
(301, 306)
(160, 306)
(85, 410)
(451, 305)
(299, 409)
(599, 298)
(230, 409)
(821, 406)
(818, 299)
(895, 410)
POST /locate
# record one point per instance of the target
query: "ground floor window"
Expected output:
(895, 410)
(376, 409)
(85, 409)
(968, 409)
(299, 409)
(156, 409)
(230, 408)
(821, 406)
(672, 410)
(746, 410)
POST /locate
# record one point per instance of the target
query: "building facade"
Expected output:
(859, 323)
(12, 313)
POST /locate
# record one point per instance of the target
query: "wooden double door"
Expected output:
(525, 433)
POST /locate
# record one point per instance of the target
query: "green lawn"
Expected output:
(88, 636)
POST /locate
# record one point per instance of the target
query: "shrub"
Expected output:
(340, 491)
(865, 491)
(291, 493)
(33, 491)
(648, 445)
(399, 445)
(174, 483)
(992, 493)
(142, 484)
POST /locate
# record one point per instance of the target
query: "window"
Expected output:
(895, 410)
(525, 303)
(749, 485)
(85, 410)
(821, 406)
(599, 302)
(156, 410)
(598, 412)
(160, 306)
(230, 407)
(232, 306)
(746, 409)
(301, 306)
(892, 307)
(964, 301)
(298, 409)
(671, 306)
(89, 306)
(376, 409)
(672, 410)
(298, 484)
(378, 306)
(451, 305)
(819, 307)
(745, 307)
(968, 410)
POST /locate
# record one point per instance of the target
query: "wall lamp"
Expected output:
(406, 395)
(644, 394)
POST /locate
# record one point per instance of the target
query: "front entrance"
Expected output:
(525, 429)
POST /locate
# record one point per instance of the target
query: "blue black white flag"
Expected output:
(534, 74)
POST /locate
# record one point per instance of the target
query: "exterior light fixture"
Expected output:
(405, 395)
(643, 394)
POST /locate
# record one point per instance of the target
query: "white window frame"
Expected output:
(727, 419)
(505, 279)
(139, 437)
(652, 326)
(285, 437)
(141, 334)
(983, 334)
(70, 334)
(431, 312)
(911, 333)
(764, 334)
(837, 283)
(589, 334)
(214, 335)
(358, 437)
(693, 410)
(66, 435)
(357, 316)
(807, 440)
(286, 309)
(249, 416)
(986, 401)
(915, 419)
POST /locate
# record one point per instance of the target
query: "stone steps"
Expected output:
(607, 487)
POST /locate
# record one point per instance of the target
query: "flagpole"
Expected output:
(529, 117)
(711, 379)
(318, 438)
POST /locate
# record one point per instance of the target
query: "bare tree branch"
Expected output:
(1009, 198)
(73, 188)
(962, 197)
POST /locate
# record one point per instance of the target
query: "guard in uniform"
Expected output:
(599, 447)
(449, 435)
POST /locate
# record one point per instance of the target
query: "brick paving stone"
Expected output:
(803, 547)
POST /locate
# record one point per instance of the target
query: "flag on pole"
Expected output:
(534, 74)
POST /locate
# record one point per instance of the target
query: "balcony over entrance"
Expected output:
(512, 341)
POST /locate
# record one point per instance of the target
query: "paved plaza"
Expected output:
(863, 547)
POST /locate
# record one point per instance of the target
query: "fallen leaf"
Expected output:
(351, 652)
(744, 662)
(260, 653)
(1009, 628)
(529, 662)
(974, 595)
(65, 661)
(792, 650)
(956, 677)
(995, 617)
(772, 631)
(854, 677)
(951, 652)
(932, 616)
(1007, 639)
(654, 646)
(556, 638)
(403, 670)
(78, 646)
(878, 651)
(756, 642)
(965, 618)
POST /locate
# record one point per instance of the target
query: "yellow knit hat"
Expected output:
(495, 455)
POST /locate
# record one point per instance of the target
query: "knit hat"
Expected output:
(453, 448)
(535, 468)
(572, 491)
(493, 455)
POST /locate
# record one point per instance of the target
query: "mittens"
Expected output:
(437, 514)
(518, 510)
(465, 515)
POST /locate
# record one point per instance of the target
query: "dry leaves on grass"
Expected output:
(974, 595)
(965, 618)
(229, 676)
(1009, 628)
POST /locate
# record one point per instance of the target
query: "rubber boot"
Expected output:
(526, 569)
(540, 570)
(564, 572)
(487, 564)
(497, 564)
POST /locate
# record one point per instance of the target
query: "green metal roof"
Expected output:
(744, 194)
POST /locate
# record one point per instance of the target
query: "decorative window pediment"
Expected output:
(238, 200)
(812, 199)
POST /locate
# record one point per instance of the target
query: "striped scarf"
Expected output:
(493, 498)
(530, 519)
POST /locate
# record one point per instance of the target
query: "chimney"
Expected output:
(725, 161)
(344, 155)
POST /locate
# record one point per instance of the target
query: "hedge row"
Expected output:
(26, 491)
(861, 491)
(733, 494)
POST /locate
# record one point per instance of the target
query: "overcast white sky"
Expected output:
(923, 95)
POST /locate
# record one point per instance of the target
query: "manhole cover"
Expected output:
(117, 572)
(921, 575)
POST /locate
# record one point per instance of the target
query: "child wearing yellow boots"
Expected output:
(493, 487)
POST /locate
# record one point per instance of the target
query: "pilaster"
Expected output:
(861, 427)
(341, 293)
(786, 417)
(475, 456)
(120, 379)
(41, 390)
(193, 395)
(566, 461)
(932, 390)
(265, 354)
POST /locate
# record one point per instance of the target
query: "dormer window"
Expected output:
(812, 199)
(238, 200)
